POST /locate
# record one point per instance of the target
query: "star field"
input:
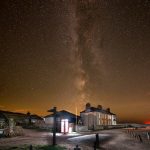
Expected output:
(67, 53)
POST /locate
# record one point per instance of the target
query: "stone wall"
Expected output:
(82, 128)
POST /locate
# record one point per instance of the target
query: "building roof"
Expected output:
(61, 114)
(36, 117)
(94, 109)
(9, 112)
(16, 115)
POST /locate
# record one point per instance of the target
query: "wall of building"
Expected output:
(114, 122)
(105, 119)
(93, 119)
(49, 120)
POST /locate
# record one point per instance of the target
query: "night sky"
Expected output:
(66, 53)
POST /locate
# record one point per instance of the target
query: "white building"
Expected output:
(93, 117)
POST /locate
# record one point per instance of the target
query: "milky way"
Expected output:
(66, 53)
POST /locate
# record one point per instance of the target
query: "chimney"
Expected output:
(87, 106)
(99, 106)
(108, 110)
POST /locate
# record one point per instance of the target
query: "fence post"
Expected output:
(96, 144)
(136, 137)
(130, 133)
(148, 135)
(139, 136)
(133, 135)
(30, 148)
(77, 148)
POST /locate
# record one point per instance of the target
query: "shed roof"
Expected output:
(62, 113)
(36, 117)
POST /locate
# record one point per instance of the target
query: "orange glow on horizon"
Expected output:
(147, 122)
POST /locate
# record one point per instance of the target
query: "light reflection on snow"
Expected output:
(67, 134)
(88, 137)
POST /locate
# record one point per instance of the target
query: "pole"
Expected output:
(54, 127)
(54, 110)
(97, 141)
(76, 119)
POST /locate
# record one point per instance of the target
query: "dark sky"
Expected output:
(66, 53)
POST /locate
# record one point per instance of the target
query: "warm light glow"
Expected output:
(64, 125)
(147, 122)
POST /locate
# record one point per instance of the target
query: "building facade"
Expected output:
(18, 118)
(93, 117)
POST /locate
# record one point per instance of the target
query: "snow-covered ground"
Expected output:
(116, 139)
(123, 141)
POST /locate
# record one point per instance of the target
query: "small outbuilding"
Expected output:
(65, 121)
(3, 120)
(33, 119)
